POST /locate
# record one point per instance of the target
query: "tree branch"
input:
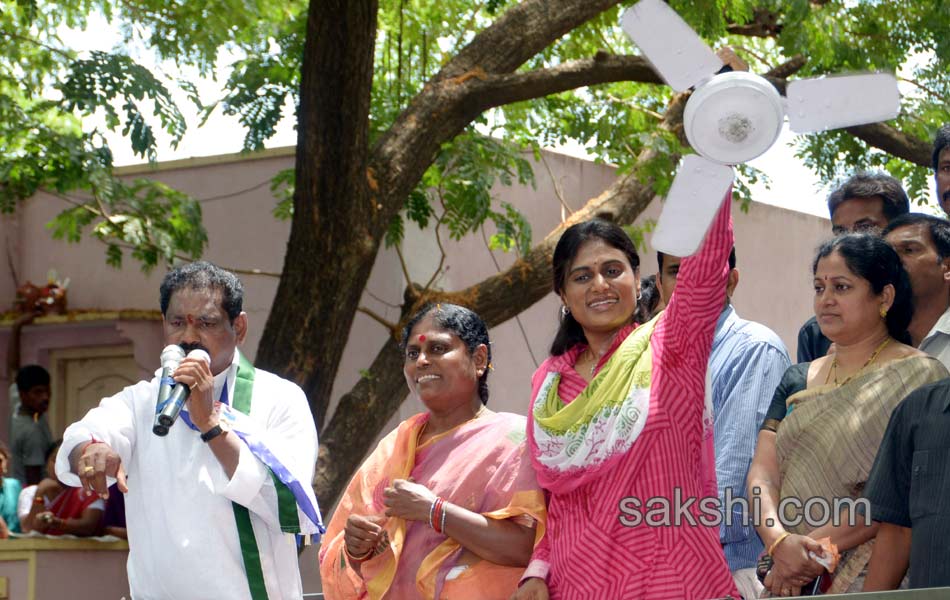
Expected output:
(402, 264)
(787, 68)
(448, 103)
(497, 90)
(438, 241)
(62, 53)
(373, 401)
(524, 334)
(558, 192)
(392, 328)
(764, 24)
(887, 138)
(520, 33)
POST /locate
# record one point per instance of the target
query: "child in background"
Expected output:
(55, 509)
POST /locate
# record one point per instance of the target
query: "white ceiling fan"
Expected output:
(736, 116)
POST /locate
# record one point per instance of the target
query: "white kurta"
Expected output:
(183, 538)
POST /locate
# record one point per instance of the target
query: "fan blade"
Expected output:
(679, 55)
(842, 101)
(691, 205)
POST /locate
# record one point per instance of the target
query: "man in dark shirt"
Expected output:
(909, 493)
(864, 202)
(30, 436)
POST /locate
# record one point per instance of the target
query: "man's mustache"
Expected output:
(196, 346)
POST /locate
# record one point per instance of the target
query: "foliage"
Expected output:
(47, 91)
(103, 78)
(460, 181)
(149, 219)
(909, 37)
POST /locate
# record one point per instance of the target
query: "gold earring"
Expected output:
(883, 312)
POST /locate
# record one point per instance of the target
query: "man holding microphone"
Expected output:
(211, 506)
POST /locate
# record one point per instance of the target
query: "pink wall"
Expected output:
(774, 248)
(64, 568)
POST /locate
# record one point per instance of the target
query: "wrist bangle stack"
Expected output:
(437, 515)
(778, 541)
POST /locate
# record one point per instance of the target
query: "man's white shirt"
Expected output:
(937, 342)
(183, 537)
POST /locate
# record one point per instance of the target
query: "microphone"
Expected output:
(169, 413)
(172, 355)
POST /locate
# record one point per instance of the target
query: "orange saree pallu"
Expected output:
(481, 465)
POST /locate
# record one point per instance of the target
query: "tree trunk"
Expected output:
(331, 250)
(363, 412)
(344, 197)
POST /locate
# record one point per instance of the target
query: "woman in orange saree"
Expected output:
(448, 505)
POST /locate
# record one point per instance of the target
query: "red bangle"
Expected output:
(437, 514)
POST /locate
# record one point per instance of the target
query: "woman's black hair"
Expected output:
(465, 323)
(569, 332)
(871, 258)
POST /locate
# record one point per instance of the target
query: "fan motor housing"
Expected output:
(734, 117)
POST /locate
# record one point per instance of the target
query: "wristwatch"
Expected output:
(214, 432)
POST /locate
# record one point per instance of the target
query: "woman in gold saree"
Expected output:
(448, 505)
(827, 418)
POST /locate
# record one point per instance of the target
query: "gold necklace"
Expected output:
(834, 364)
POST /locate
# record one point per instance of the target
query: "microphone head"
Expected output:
(171, 356)
(199, 354)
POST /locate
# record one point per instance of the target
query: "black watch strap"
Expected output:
(212, 433)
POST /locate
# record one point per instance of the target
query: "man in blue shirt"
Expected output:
(746, 364)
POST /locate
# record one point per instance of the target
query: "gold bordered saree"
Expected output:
(827, 443)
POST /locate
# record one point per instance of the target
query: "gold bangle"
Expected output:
(368, 554)
(777, 542)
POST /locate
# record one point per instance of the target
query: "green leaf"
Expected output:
(282, 186)
(95, 82)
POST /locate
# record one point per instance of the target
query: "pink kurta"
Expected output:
(587, 552)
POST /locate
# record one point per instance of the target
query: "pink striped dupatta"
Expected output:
(481, 465)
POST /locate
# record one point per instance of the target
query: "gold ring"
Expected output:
(88, 469)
